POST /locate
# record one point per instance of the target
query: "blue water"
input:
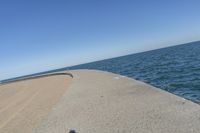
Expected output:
(174, 69)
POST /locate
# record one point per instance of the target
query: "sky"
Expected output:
(41, 35)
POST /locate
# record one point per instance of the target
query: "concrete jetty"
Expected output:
(94, 102)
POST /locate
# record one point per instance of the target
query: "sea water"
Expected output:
(174, 69)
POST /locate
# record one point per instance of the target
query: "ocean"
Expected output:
(174, 69)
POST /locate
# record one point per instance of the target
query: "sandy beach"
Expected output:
(93, 102)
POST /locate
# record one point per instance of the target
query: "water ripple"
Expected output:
(175, 69)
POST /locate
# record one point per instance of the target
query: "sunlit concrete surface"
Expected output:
(93, 101)
(24, 104)
(101, 102)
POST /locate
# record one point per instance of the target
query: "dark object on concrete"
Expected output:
(72, 131)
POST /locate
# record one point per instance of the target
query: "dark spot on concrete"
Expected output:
(73, 131)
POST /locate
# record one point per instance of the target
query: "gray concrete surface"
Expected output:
(101, 102)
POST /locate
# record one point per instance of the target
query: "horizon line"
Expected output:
(57, 69)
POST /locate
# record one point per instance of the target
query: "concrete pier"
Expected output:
(102, 102)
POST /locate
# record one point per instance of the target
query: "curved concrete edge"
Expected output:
(35, 77)
(75, 73)
(23, 105)
(98, 101)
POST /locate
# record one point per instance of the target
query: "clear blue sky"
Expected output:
(40, 35)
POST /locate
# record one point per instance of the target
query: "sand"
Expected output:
(93, 102)
(24, 104)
